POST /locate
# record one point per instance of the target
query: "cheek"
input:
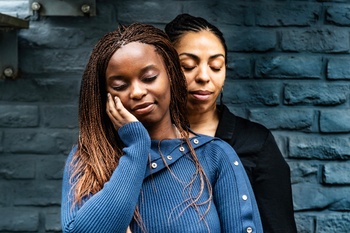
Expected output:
(190, 78)
(125, 101)
(164, 93)
(220, 79)
(123, 98)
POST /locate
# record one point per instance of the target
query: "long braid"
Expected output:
(98, 152)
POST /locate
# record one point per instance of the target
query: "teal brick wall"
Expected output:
(289, 69)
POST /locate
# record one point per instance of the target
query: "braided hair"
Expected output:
(184, 23)
(99, 146)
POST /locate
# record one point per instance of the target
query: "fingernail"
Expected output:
(108, 95)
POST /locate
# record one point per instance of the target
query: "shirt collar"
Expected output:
(227, 122)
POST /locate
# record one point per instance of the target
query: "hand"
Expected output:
(117, 113)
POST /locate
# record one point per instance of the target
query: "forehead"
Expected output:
(134, 55)
(135, 49)
(200, 40)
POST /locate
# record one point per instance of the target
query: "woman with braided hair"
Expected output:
(136, 162)
(203, 56)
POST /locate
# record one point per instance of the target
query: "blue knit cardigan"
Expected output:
(154, 175)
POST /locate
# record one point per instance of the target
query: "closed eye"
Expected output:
(215, 68)
(188, 68)
(119, 87)
(149, 79)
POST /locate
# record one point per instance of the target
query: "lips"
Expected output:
(200, 94)
(143, 108)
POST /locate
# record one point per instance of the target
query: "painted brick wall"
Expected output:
(289, 69)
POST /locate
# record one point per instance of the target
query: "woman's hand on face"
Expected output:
(117, 113)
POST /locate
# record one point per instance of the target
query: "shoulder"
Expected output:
(217, 156)
(72, 153)
(209, 141)
(70, 156)
(239, 131)
(215, 148)
(245, 126)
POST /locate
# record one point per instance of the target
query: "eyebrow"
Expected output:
(195, 57)
(149, 67)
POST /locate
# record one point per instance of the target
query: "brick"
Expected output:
(53, 221)
(37, 193)
(18, 220)
(45, 36)
(19, 116)
(17, 167)
(238, 67)
(40, 89)
(279, 118)
(319, 147)
(303, 171)
(39, 142)
(305, 223)
(252, 93)
(52, 116)
(285, 66)
(322, 40)
(238, 111)
(293, 14)
(341, 204)
(141, 11)
(51, 167)
(308, 196)
(336, 173)
(338, 68)
(217, 12)
(83, 32)
(315, 94)
(339, 222)
(250, 40)
(338, 15)
(6, 188)
(335, 121)
(53, 60)
(1, 145)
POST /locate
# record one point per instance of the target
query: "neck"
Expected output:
(205, 122)
(164, 131)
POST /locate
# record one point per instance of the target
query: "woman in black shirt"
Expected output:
(203, 56)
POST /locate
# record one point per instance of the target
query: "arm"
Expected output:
(272, 188)
(111, 209)
(233, 195)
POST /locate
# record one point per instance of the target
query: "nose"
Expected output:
(138, 90)
(203, 74)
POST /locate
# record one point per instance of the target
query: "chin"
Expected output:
(198, 105)
(147, 122)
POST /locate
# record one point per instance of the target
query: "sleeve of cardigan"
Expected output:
(233, 194)
(111, 209)
(272, 187)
